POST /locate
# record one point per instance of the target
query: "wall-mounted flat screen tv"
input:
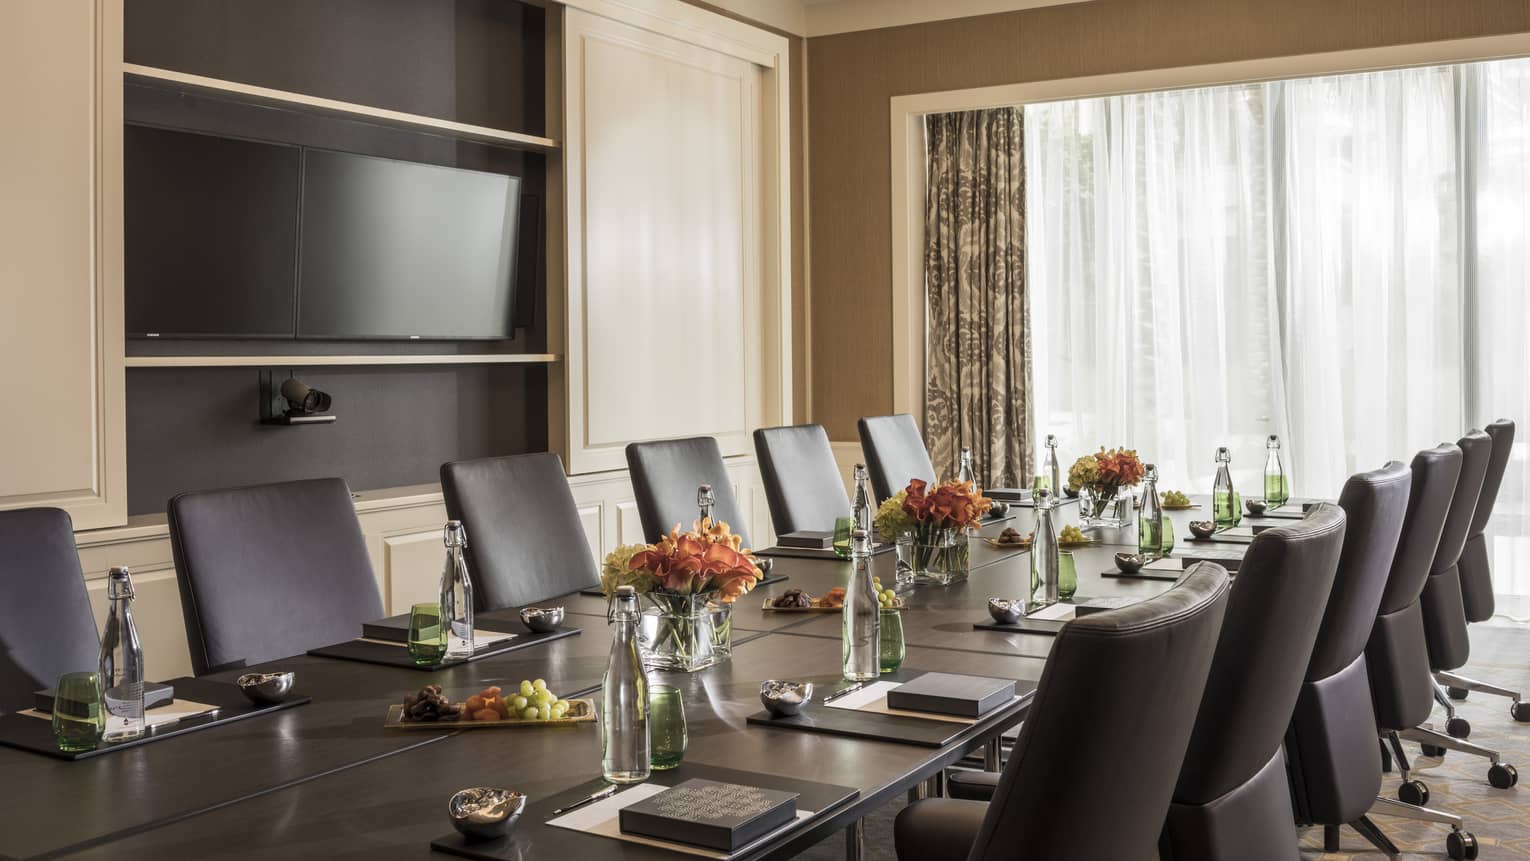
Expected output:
(236, 239)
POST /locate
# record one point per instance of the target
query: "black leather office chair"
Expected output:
(1331, 754)
(270, 571)
(894, 452)
(665, 476)
(1476, 572)
(525, 542)
(1233, 800)
(46, 627)
(1396, 656)
(802, 481)
(1093, 768)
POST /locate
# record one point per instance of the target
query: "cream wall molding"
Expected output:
(828, 17)
(907, 113)
(694, 25)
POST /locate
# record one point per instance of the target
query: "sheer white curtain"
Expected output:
(1343, 261)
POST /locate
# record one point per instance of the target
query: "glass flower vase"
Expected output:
(1105, 506)
(685, 632)
(941, 558)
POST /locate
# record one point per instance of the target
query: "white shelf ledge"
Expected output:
(308, 361)
(317, 104)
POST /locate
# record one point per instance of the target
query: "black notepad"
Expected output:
(952, 694)
(723, 816)
(806, 540)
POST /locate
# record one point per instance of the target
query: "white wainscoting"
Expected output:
(402, 530)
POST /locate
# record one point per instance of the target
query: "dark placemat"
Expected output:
(395, 629)
(1228, 556)
(1143, 574)
(1050, 627)
(809, 553)
(36, 734)
(1221, 538)
(763, 581)
(390, 655)
(533, 832)
(921, 732)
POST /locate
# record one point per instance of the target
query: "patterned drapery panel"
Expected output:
(977, 340)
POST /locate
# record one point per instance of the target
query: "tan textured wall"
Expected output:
(854, 74)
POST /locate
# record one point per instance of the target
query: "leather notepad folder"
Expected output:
(952, 694)
(806, 540)
(722, 816)
(154, 695)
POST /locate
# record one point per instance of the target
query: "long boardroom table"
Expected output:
(326, 779)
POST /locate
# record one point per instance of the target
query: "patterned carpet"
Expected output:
(1500, 818)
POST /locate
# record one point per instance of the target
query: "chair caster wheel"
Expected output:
(1502, 775)
(1457, 693)
(1520, 712)
(1461, 845)
(1458, 728)
(1414, 792)
(1431, 750)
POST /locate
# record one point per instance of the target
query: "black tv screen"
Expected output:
(238, 239)
(395, 249)
(210, 235)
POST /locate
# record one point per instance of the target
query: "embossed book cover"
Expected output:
(723, 816)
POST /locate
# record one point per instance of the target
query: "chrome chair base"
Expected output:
(1459, 686)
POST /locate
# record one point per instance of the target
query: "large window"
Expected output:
(1341, 261)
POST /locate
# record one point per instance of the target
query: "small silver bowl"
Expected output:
(1072, 492)
(1255, 507)
(764, 563)
(485, 812)
(1130, 563)
(266, 688)
(542, 620)
(1202, 528)
(998, 509)
(783, 698)
(1006, 611)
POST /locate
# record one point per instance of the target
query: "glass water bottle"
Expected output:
(864, 510)
(861, 634)
(456, 594)
(965, 470)
(1276, 491)
(1150, 521)
(1044, 560)
(1051, 467)
(706, 500)
(1224, 499)
(121, 665)
(624, 742)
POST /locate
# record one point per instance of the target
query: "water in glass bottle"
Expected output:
(121, 666)
(456, 594)
(706, 500)
(1044, 559)
(1150, 522)
(864, 510)
(624, 741)
(1276, 491)
(1224, 500)
(965, 471)
(1051, 467)
(861, 634)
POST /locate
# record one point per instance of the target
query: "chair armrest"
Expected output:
(971, 785)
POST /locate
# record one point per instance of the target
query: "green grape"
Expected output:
(559, 709)
(518, 702)
(564, 704)
(530, 713)
(545, 713)
(544, 697)
(539, 685)
(527, 689)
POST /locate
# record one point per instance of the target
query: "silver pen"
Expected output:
(845, 692)
(589, 799)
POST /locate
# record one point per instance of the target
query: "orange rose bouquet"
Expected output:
(709, 558)
(940, 518)
(1111, 470)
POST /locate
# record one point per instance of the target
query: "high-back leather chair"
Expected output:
(1444, 616)
(1476, 571)
(894, 453)
(270, 571)
(524, 539)
(665, 476)
(1396, 656)
(1331, 753)
(1093, 768)
(46, 627)
(802, 481)
(1233, 800)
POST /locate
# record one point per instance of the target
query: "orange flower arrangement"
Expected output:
(1119, 467)
(951, 505)
(709, 558)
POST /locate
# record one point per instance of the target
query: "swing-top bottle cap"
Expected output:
(119, 583)
(454, 535)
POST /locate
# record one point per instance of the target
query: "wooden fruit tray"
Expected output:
(579, 711)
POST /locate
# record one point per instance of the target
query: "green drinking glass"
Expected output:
(78, 719)
(1067, 574)
(843, 526)
(427, 638)
(667, 735)
(892, 649)
(1168, 535)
